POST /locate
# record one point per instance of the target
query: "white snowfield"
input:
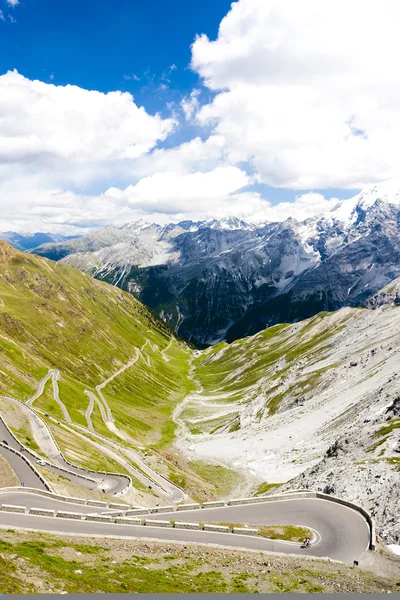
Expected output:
(364, 355)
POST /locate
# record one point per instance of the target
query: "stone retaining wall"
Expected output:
(13, 509)
(64, 514)
(216, 528)
(245, 531)
(45, 512)
(100, 518)
(188, 506)
(70, 499)
(158, 523)
(183, 525)
(128, 521)
(118, 506)
(161, 509)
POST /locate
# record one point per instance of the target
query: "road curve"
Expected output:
(40, 389)
(112, 484)
(343, 534)
(22, 470)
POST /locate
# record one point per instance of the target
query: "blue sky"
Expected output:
(98, 45)
(255, 122)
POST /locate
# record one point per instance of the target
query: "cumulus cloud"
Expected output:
(308, 92)
(169, 193)
(44, 121)
(161, 197)
(302, 95)
(12, 2)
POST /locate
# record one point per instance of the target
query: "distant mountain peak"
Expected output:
(225, 278)
(231, 223)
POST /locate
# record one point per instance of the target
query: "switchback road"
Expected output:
(341, 533)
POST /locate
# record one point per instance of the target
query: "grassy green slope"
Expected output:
(53, 316)
(261, 365)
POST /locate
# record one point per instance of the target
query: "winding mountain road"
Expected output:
(341, 533)
(112, 484)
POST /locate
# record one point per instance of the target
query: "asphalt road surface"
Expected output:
(111, 483)
(23, 472)
(342, 534)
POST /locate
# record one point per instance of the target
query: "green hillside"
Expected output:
(54, 317)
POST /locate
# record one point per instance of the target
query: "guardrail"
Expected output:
(82, 501)
(265, 499)
(142, 473)
(63, 514)
(30, 465)
(124, 491)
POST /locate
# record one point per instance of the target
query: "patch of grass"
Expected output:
(289, 533)
(7, 476)
(387, 429)
(263, 488)
(376, 445)
(132, 575)
(394, 461)
(223, 479)
(287, 582)
(10, 581)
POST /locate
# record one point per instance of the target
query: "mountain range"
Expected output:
(224, 279)
(26, 241)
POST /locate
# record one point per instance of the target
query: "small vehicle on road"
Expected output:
(41, 462)
(5, 442)
(306, 544)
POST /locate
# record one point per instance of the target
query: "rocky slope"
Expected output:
(225, 279)
(314, 404)
(363, 466)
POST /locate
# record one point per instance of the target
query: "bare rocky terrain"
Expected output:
(323, 414)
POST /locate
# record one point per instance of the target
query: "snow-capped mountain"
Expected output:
(222, 279)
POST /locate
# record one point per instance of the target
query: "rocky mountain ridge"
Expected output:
(224, 279)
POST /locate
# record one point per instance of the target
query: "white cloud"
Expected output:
(169, 193)
(12, 2)
(303, 94)
(190, 104)
(40, 121)
(307, 91)
(2, 18)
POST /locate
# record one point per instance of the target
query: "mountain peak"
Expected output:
(229, 223)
